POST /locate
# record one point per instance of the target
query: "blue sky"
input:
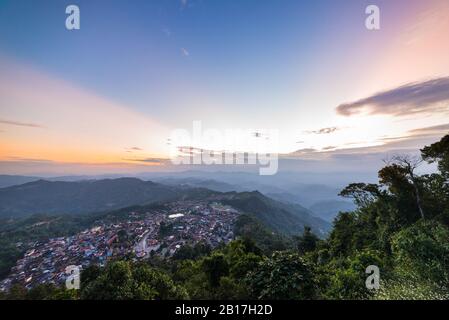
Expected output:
(133, 52)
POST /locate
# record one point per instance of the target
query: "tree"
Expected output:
(122, 280)
(363, 194)
(242, 256)
(16, 292)
(403, 169)
(42, 292)
(438, 152)
(285, 275)
(341, 239)
(192, 252)
(423, 250)
(89, 274)
(410, 287)
(347, 275)
(215, 267)
(193, 278)
(230, 289)
(307, 242)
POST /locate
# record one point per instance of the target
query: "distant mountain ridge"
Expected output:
(89, 196)
(61, 197)
(286, 218)
(12, 180)
(201, 183)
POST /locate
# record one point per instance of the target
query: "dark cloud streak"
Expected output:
(439, 128)
(412, 98)
(150, 160)
(323, 130)
(20, 124)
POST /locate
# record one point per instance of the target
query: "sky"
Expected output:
(107, 97)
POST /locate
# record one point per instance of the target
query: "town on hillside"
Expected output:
(160, 231)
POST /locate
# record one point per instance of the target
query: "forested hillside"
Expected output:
(60, 197)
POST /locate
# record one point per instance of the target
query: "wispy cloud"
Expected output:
(189, 150)
(433, 132)
(20, 124)
(151, 161)
(303, 151)
(131, 149)
(323, 130)
(410, 141)
(433, 129)
(22, 159)
(419, 97)
(184, 52)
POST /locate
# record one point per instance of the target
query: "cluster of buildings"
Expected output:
(158, 232)
(190, 222)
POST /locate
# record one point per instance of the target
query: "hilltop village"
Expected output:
(159, 231)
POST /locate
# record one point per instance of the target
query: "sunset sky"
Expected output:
(106, 98)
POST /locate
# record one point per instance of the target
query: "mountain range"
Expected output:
(62, 197)
(90, 196)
